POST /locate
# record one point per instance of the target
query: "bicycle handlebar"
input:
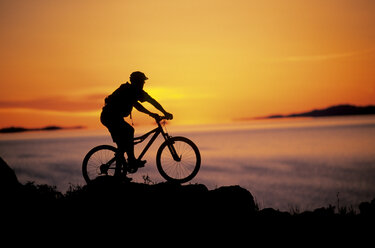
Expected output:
(160, 118)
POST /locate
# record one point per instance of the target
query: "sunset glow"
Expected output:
(208, 61)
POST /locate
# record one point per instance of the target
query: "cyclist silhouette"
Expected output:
(119, 105)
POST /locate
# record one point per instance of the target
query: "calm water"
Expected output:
(285, 164)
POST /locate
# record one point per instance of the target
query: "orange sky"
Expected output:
(209, 61)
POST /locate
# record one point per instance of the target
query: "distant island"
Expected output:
(337, 110)
(23, 129)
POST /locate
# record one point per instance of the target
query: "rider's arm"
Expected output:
(159, 107)
(146, 97)
(156, 105)
(142, 109)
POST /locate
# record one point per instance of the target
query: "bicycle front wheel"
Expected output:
(183, 165)
(99, 161)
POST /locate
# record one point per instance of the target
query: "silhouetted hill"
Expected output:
(338, 110)
(108, 203)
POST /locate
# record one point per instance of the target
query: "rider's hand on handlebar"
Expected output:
(168, 116)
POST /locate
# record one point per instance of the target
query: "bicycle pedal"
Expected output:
(141, 165)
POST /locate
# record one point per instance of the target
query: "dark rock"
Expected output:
(367, 208)
(273, 213)
(9, 184)
(233, 201)
(8, 179)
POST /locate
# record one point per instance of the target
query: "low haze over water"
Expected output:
(285, 163)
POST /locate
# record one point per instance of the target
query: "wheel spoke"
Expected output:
(96, 158)
(184, 169)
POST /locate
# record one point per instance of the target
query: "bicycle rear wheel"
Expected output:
(99, 161)
(184, 166)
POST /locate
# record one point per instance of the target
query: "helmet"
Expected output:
(137, 76)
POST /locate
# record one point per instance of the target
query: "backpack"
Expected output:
(120, 100)
(116, 96)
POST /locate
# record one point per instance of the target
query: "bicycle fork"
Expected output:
(173, 151)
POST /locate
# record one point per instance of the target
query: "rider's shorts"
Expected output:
(121, 131)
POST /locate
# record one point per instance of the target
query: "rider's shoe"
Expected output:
(137, 163)
(141, 163)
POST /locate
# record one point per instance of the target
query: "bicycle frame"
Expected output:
(158, 130)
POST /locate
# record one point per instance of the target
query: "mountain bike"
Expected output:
(178, 159)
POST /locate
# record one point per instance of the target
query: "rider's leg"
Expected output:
(128, 141)
(120, 160)
(114, 126)
(129, 146)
